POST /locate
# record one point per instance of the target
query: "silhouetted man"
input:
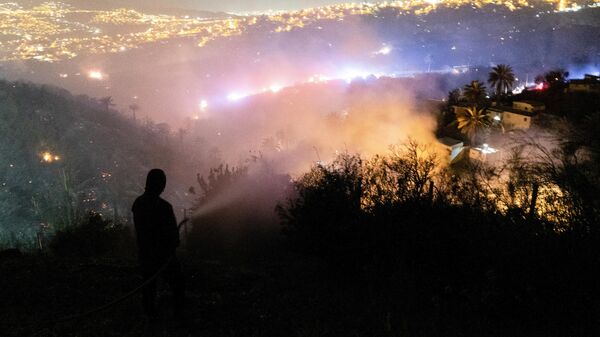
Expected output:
(157, 239)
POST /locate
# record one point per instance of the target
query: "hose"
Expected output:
(115, 301)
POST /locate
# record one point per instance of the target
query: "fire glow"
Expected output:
(96, 75)
(48, 157)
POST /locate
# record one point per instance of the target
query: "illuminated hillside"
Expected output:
(55, 31)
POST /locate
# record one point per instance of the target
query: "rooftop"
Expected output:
(512, 110)
(587, 79)
(450, 141)
(532, 103)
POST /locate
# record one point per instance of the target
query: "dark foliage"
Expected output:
(235, 210)
(94, 237)
(448, 252)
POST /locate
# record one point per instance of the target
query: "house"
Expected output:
(529, 106)
(589, 83)
(519, 116)
(483, 153)
(453, 146)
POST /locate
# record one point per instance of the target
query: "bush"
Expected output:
(327, 210)
(418, 238)
(234, 213)
(94, 237)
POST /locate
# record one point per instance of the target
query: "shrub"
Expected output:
(95, 236)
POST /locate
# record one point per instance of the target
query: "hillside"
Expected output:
(65, 154)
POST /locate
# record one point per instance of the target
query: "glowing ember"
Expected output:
(48, 157)
(96, 75)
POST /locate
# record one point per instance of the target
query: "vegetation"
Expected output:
(63, 155)
(469, 251)
(502, 79)
(471, 121)
(393, 245)
(475, 93)
(94, 237)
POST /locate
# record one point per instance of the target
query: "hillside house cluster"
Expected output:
(519, 116)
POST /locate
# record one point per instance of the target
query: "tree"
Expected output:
(107, 102)
(475, 93)
(553, 79)
(556, 76)
(471, 121)
(134, 107)
(181, 132)
(453, 97)
(502, 79)
(539, 79)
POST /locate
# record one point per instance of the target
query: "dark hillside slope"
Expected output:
(63, 155)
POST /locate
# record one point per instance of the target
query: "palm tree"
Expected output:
(471, 121)
(502, 79)
(475, 92)
(134, 107)
(453, 97)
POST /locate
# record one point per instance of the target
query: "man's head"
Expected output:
(156, 181)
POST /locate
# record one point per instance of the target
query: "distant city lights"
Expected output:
(59, 34)
(352, 74)
(203, 105)
(318, 79)
(275, 88)
(235, 96)
(385, 50)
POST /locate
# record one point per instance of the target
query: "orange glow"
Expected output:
(96, 75)
(48, 157)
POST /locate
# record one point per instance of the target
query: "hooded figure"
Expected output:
(157, 238)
